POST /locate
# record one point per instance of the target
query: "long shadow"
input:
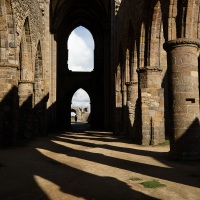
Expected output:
(91, 186)
(160, 156)
(110, 147)
(104, 138)
(173, 174)
(76, 182)
(21, 183)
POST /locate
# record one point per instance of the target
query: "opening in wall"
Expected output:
(80, 107)
(81, 50)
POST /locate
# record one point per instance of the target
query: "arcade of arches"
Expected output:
(145, 82)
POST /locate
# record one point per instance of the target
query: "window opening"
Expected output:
(81, 50)
(80, 106)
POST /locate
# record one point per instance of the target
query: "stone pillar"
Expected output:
(40, 106)
(132, 96)
(184, 98)
(8, 104)
(118, 111)
(152, 106)
(25, 92)
(124, 111)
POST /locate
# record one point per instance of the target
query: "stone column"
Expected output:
(152, 106)
(124, 111)
(118, 111)
(184, 98)
(40, 106)
(132, 91)
(25, 92)
(8, 103)
(132, 96)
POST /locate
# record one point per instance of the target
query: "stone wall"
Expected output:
(152, 106)
(8, 104)
(135, 74)
(150, 24)
(134, 20)
(27, 66)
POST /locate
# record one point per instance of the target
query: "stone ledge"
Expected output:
(25, 81)
(148, 68)
(8, 65)
(181, 41)
(131, 83)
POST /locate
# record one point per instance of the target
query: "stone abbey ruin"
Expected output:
(145, 82)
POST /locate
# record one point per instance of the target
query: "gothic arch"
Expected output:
(119, 90)
(65, 19)
(187, 18)
(129, 53)
(74, 90)
(141, 46)
(7, 33)
(25, 53)
(184, 24)
(181, 18)
(156, 38)
(120, 76)
(198, 24)
(79, 54)
(193, 19)
(38, 76)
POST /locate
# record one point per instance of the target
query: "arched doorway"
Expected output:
(96, 82)
(81, 106)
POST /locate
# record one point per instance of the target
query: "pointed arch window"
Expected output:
(38, 75)
(25, 53)
(81, 50)
(81, 103)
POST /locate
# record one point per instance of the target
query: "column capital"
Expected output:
(149, 68)
(181, 42)
(131, 83)
(25, 81)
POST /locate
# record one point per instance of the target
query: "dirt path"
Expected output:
(93, 166)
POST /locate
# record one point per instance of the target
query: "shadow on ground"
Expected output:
(22, 167)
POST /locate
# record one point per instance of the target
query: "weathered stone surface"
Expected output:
(21, 29)
(185, 91)
(152, 109)
(138, 88)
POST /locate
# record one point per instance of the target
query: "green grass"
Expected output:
(152, 184)
(135, 179)
(166, 143)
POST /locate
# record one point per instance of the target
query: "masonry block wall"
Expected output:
(145, 53)
(152, 106)
(154, 23)
(184, 106)
(152, 87)
(21, 30)
(9, 103)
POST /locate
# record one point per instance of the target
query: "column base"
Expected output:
(184, 156)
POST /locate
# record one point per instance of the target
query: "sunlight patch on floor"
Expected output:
(52, 190)
(102, 149)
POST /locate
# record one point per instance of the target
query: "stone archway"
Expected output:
(97, 82)
(81, 105)
(80, 47)
(25, 82)
(39, 101)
